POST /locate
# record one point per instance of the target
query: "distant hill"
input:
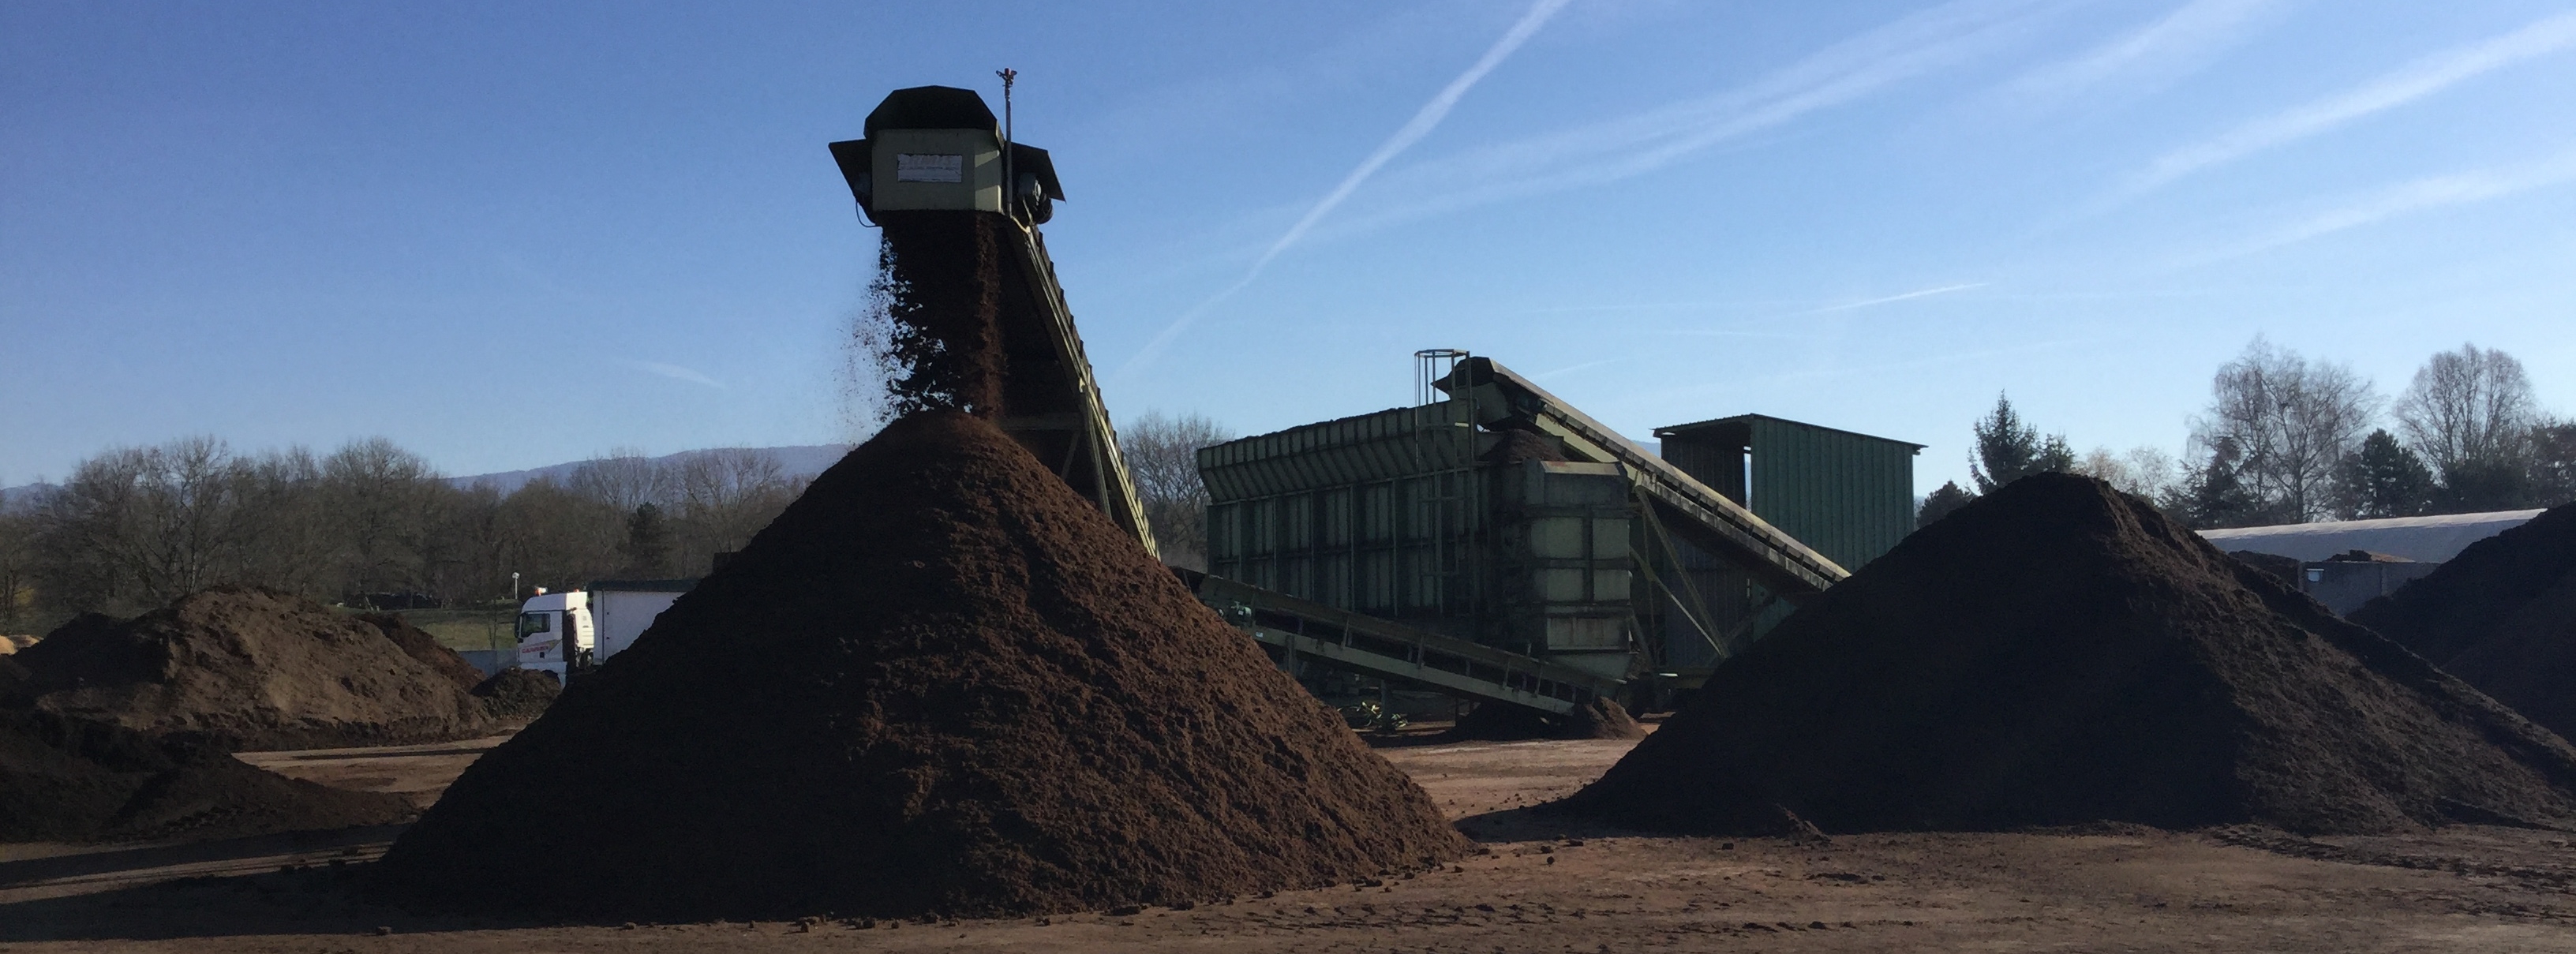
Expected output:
(799, 461)
(23, 496)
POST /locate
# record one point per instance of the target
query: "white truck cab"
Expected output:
(567, 633)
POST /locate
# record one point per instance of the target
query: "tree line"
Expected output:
(367, 524)
(2290, 439)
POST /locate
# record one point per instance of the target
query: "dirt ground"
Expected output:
(1545, 886)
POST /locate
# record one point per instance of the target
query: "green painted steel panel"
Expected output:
(1850, 496)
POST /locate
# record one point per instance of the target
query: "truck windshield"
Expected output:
(531, 624)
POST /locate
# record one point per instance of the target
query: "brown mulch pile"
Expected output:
(425, 648)
(518, 693)
(2059, 653)
(1594, 718)
(68, 780)
(2285, 569)
(247, 669)
(940, 683)
(2501, 615)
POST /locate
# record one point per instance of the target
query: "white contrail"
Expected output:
(1429, 116)
(2175, 44)
(2419, 195)
(1623, 147)
(1925, 293)
(2416, 80)
(674, 372)
(1423, 121)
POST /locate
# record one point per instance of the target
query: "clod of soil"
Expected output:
(518, 693)
(1595, 718)
(2059, 653)
(247, 669)
(942, 333)
(69, 780)
(425, 649)
(2501, 615)
(2285, 569)
(940, 683)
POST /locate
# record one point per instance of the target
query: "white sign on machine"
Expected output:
(929, 167)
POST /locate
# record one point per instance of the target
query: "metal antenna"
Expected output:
(1010, 178)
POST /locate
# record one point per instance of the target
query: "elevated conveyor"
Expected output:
(944, 179)
(1304, 631)
(1690, 509)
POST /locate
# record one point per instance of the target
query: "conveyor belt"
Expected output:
(1313, 632)
(1690, 509)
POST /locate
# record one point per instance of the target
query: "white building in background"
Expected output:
(2346, 563)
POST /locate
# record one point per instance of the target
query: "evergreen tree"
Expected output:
(2216, 495)
(1941, 502)
(2383, 479)
(2009, 448)
(647, 548)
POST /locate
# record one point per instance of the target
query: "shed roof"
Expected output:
(1746, 420)
(2425, 539)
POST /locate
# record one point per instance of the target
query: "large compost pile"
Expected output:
(518, 693)
(247, 668)
(1595, 718)
(940, 682)
(69, 780)
(425, 649)
(2060, 653)
(2501, 615)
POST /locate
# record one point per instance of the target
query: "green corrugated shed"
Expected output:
(1850, 496)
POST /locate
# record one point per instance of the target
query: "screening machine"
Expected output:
(938, 152)
(1496, 514)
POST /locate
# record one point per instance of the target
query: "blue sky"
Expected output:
(507, 235)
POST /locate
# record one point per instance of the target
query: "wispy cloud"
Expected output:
(1638, 143)
(2406, 198)
(2416, 80)
(673, 371)
(1424, 120)
(1925, 293)
(2177, 43)
(1573, 368)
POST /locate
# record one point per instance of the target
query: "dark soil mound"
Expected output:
(518, 693)
(68, 780)
(2501, 615)
(2059, 653)
(244, 668)
(425, 649)
(1596, 718)
(940, 682)
(2285, 569)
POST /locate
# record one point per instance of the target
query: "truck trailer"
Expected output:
(567, 633)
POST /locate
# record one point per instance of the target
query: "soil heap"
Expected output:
(1594, 718)
(69, 780)
(246, 668)
(940, 682)
(518, 693)
(425, 649)
(2059, 653)
(2501, 615)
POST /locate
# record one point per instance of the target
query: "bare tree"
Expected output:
(382, 503)
(726, 496)
(2470, 414)
(18, 567)
(2145, 471)
(2291, 420)
(1162, 458)
(624, 479)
